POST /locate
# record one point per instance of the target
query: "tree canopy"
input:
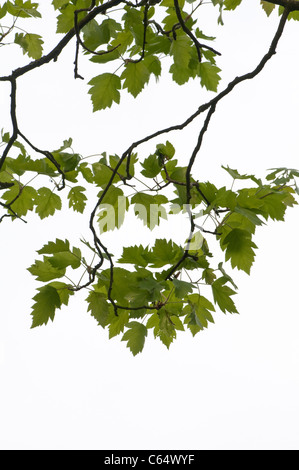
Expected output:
(163, 286)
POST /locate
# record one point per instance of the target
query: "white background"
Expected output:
(235, 386)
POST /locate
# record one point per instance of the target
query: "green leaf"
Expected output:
(62, 256)
(166, 150)
(222, 296)
(45, 271)
(135, 76)
(182, 288)
(130, 287)
(114, 161)
(166, 331)
(199, 313)
(106, 55)
(239, 249)
(65, 21)
(181, 50)
(77, 199)
(55, 247)
(153, 65)
(95, 35)
(226, 276)
(158, 45)
(152, 166)
(225, 198)
(165, 253)
(153, 287)
(65, 259)
(272, 205)
(86, 172)
(250, 214)
(23, 9)
(64, 291)
(99, 307)
(294, 15)
(24, 199)
(117, 323)
(112, 211)
(268, 7)
(137, 255)
(180, 74)
(150, 208)
(134, 22)
(59, 3)
(67, 161)
(236, 175)
(209, 76)
(47, 203)
(104, 91)
(153, 322)
(232, 4)
(102, 174)
(122, 41)
(208, 276)
(3, 10)
(46, 302)
(135, 336)
(32, 44)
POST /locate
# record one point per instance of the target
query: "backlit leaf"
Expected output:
(47, 203)
(104, 91)
(46, 302)
(135, 337)
(222, 296)
(135, 76)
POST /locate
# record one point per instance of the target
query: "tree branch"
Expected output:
(54, 54)
(290, 5)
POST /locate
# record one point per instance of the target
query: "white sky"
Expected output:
(234, 386)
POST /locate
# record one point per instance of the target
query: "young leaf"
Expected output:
(149, 208)
(65, 259)
(32, 44)
(135, 76)
(45, 271)
(65, 21)
(165, 253)
(64, 291)
(117, 323)
(268, 7)
(135, 336)
(239, 249)
(98, 306)
(181, 51)
(59, 3)
(23, 197)
(199, 310)
(209, 76)
(152, 166)
(222, 296)
(232, 4)
(272, 204)
(166, 331)
(104, 91)
(77, 199)
(112, 211)
(102, 174)
(47, 203)
(137, 255)
(46, 302)
(55, 247)
(182, 288)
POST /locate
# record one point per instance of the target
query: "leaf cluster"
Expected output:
(163, 287)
